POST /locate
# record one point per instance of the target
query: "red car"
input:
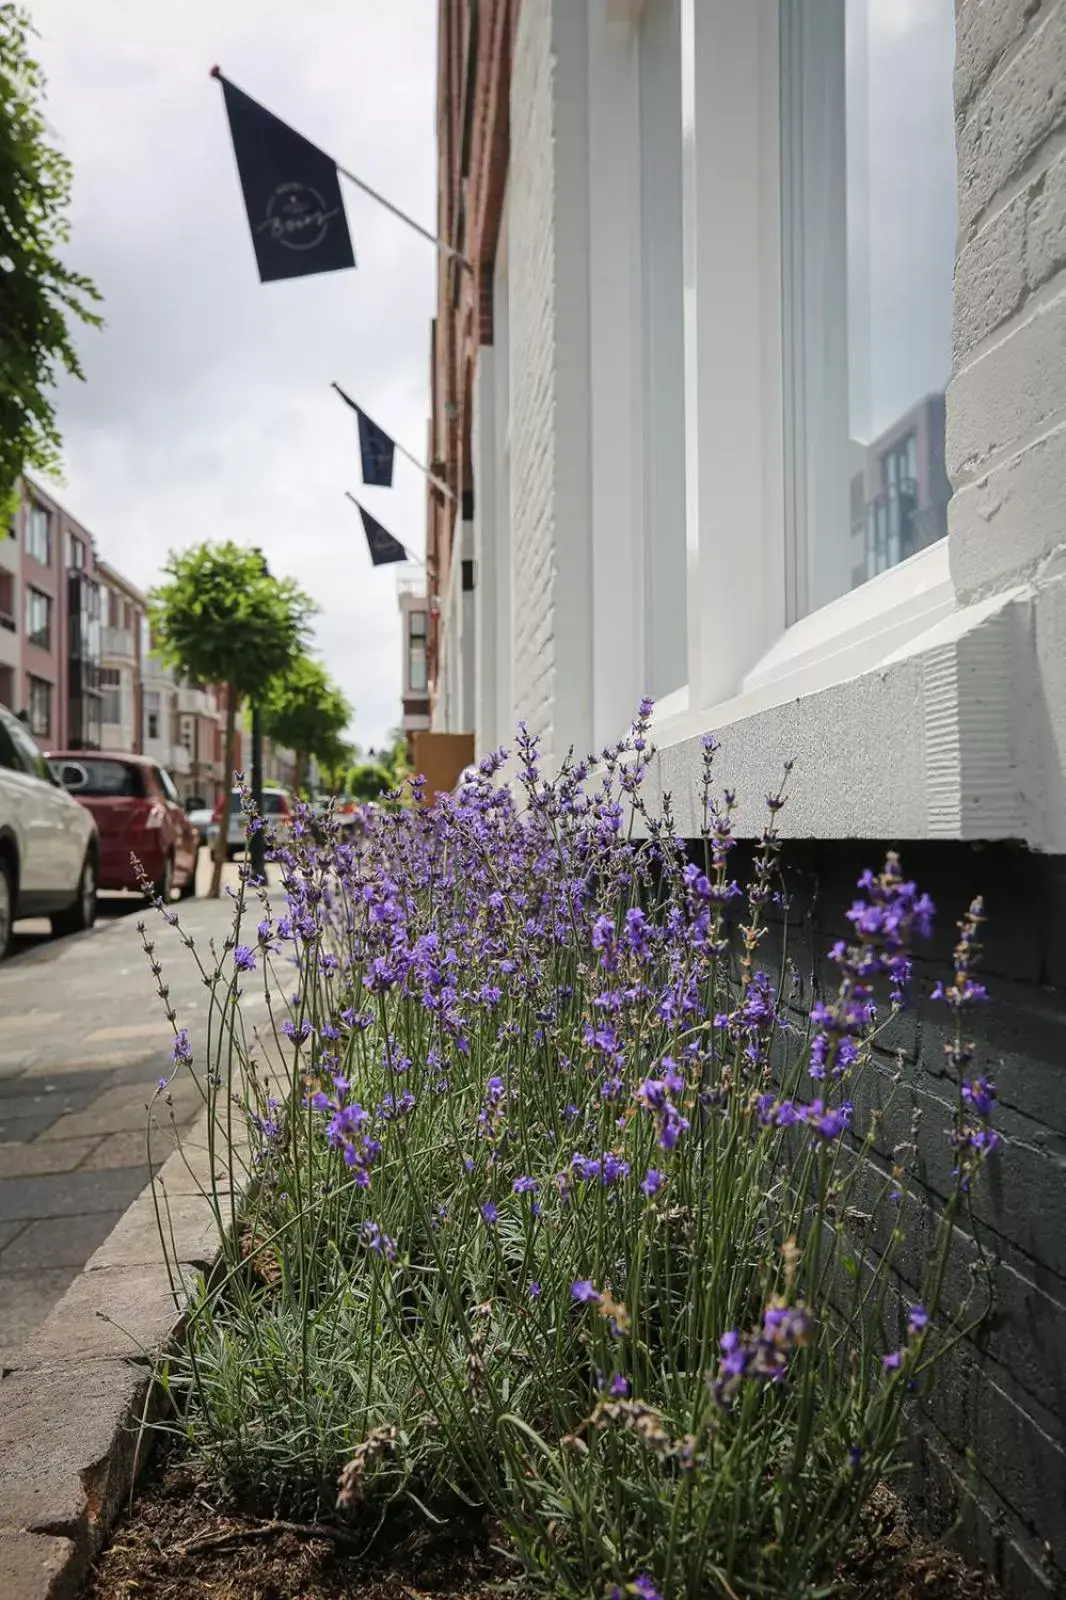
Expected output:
(138, 813)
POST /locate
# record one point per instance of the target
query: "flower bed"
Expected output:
(552, 1234)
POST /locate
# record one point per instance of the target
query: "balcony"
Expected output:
(118, 644)
(195, 702)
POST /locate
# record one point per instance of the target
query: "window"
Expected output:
(40, 708)
(26, 754)
(166, 783)
(868, 188)
(819, 206)
(111, 687)
(39, 534)
(187, 734)
(416, 652)
(115, 780)
(39, 619)
(75, 553)
(7, 601)
(152, 712)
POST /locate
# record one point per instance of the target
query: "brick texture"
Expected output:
(1006, 405)
(1002, 1393)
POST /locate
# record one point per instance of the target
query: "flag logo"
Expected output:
(297, 217)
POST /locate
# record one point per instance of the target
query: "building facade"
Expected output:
(124, 619)
(51, 656)
(752, 400)
(414, 643)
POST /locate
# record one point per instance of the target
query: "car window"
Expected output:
(27, 755)
(8, 758)
(117, 780)
(166, 783)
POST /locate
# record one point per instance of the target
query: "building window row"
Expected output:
(38, 618)
(40, 708)
(39, 533)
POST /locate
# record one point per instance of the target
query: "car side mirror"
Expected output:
(73, 776)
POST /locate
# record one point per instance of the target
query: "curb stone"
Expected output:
(72, 1400)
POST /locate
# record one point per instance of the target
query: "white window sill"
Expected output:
(849, 636)
(899, 708)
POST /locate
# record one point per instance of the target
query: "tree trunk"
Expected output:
(222, 842)
(299, 769)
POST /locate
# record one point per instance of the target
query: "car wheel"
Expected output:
(7, 905)
(81, 913)
(164, 889)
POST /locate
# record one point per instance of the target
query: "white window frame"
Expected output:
(740, 596)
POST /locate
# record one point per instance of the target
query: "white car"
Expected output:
(277, 814)
(49, 851)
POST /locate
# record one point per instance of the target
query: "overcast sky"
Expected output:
(207, 411)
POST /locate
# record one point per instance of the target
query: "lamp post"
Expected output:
(257, 842)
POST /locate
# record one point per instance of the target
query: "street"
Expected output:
(83, 1042)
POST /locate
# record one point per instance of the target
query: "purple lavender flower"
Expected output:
(244, 958)
(651, 1182)
(980, 1095)
(583, 1290)
(892, 1361)
(181, 1054)
(489, 1213)
(534, 1290)
(917, 1320)
(524, 1185)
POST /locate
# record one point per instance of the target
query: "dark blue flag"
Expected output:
(380, 542)
(291, 193)
(377, 451)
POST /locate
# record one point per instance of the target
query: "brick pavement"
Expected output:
(83, 1041)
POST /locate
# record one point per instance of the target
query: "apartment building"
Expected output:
(414, 637)
(124, 617)
(754, 402)
(50, 657)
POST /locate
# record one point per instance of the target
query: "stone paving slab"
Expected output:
(83, 1042)
(37, 1564)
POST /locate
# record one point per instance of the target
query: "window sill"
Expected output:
(900, 709)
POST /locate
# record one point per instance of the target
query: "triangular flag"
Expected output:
(380, 542)
(377, 451)
(291, 193)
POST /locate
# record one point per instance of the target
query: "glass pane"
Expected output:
(868, 246)
(115, 780)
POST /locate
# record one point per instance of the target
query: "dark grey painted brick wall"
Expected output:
(991, 1457)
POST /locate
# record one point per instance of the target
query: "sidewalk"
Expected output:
(83, 1042)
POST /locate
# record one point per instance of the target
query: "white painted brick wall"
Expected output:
(531, 256)
(1006, 412)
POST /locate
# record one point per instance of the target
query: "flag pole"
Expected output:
(438, 483)
(447, 249)
(409, 554)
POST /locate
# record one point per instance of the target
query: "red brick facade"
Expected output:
(473, 91)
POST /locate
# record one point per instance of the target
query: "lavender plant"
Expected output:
(549, 1214)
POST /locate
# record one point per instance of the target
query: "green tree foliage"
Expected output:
(368, 779)
(304, 711)
(220, 618)
(38, 293)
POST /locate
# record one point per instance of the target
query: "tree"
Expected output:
(304, 710)
(368, 780)
(222, 619)
(38, 293)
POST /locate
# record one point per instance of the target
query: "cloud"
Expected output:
(207, 411)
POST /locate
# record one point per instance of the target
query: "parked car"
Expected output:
(200, 817)
(49, 848)
(277, 812)
(138, 812)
